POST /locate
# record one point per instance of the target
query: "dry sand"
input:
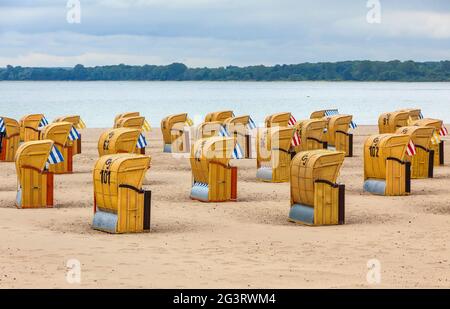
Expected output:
(246, 244)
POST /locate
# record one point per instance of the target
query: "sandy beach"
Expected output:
(243, 244)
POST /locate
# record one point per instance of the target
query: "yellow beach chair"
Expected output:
(240, 128)
(120, 140)
(390, 122)
(120, 203)
(422, 163)
(316, 198)
(59, 132)
(312, 134)
(176, 133)
(35, 182)
(386, 171)
(78, 124)
(9, 138)
(214, 180)
(437, 145)
(29, 127)
(273, 155)
(338, 136)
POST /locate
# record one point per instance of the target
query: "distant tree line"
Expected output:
(339, 71)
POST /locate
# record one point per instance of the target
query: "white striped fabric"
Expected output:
(2, 126)
(251, 124)
(296, 140)
(443, 131)
(74, 135)
(55, 156)
(223, 132)
(333, 112)
(142, 142)
(200, 184)
(237, 151)
(411, 149)
(43, 122)
(292, 121)
(420, 115)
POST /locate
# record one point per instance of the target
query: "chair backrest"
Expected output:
(414, 113)
(277, 120)
(112, 172)
(29, 125)
(135, 122)
(124, 115)
(318, 114)
(167, 123)
(33, 155)
(378, 148)
(270, 141)
(216, 149)
(390, 122)
(337, 123)
(307, 167)
(429, 122)
(220, 116)
(421, 136)
(120, 140)
(58, 132)
(12, 127)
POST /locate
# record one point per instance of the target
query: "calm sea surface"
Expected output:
(99, 102)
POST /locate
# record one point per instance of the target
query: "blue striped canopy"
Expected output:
(55, 156)
(142, 142)
(43, 122)
(2, 126)
(74, 134)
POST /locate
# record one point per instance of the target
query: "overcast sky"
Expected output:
(220, 32)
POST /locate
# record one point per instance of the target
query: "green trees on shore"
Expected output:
(337, 71)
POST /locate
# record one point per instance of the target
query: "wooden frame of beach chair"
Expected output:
(120, 203)
(76, 121)
(35, 183)
(238, 128)
(277, 120)
(175, 136)
(214, 180)
(312, 134)
(439, 149)
(124, 115)
(120, 140)
(386, 171)
(219, 116)
(9, 140)
(316, 198)
(388, 123)
(59, 132)
(29, 127)
(422, 163)
(273, 155)
(337, 134)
